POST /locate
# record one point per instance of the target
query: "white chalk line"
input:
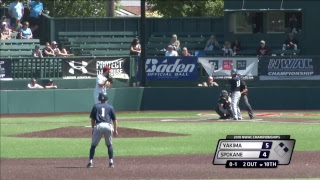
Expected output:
(231, 120)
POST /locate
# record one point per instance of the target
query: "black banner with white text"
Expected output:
(5, 69)
(90, 68)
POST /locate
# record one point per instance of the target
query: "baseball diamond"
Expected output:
(192, 160)
(154, 89)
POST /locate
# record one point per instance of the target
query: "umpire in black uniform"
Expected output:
(244, 98)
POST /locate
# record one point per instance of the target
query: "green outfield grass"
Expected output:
(202, 139)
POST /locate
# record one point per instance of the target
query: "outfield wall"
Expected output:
(134, 99)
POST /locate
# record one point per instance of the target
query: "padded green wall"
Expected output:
(66, 100)
(135, 99)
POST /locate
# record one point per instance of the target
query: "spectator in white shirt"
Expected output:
(171, 52)
(34, 85)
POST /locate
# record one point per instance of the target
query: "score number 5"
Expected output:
(266, 145)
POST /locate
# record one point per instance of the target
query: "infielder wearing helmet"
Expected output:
(102, 117)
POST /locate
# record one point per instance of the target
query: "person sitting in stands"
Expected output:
(50, 85)
(210, 82)
(175, 42)
(170, 51)
(290, 43)
(135, 47)
(236, 45)
(25, 32)
(34, 85)
(212, 44)
(5, 32)
(57, 51)
(48, 51)
(227, 51)
(5, 20)
(262, 50)
(185, 52)
(37, 53)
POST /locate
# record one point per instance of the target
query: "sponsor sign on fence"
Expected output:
(289, 68)
(220, 67)
(90, 68)
(171, 68)
(5, 69)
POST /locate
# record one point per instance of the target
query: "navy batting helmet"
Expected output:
(103, 96)
(234, 71)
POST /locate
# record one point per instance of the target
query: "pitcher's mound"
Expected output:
(85, 132)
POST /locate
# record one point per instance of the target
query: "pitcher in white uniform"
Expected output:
(102, 83)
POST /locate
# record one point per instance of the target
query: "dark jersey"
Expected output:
(224, 100)
(235, 83)
(103, 112)
(243, 86)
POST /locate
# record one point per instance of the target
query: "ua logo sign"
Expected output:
(82, 68)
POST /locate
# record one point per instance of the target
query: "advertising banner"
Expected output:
(5, 69)
(90, 68)
(78, 69)
(220, 67)
(171, 68)
(289, 68)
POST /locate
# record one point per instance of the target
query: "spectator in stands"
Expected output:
(50, 85)
(48, 51)
(210, 82)
(290, 43)
(16, 10)
(135, 47)
(25, 32)
(175, 42)
(57, 51)
(34, 85)
(5, 31)
(263, 50)
(185, 52)
(17, 26)
(236, 46)
(293, 24)
(227, 51)
(5, 20)
(37, 53)
(171, 51)
(36, 8)
(212, 44)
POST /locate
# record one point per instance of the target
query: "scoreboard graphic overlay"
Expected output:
(254, 151)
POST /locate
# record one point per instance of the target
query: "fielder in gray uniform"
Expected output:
(102, 116)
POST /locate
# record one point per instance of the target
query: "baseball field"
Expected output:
(151, 145)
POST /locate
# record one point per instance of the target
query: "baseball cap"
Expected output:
(262, 42)
(54, 42)
(106, 68)
(50, 80)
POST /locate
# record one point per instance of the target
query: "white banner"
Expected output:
(117, 67)
(220, 67)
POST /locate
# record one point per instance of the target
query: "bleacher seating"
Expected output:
(18, 47)
(112, 43)
(194, 41)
